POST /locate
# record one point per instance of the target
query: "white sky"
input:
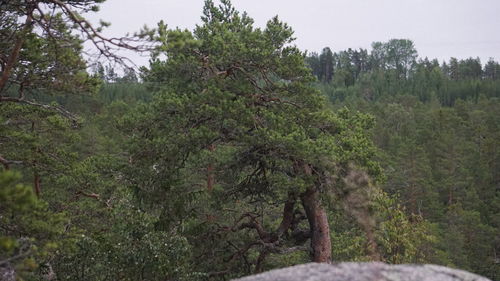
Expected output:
(439, 28)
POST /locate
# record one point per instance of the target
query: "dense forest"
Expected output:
(235, 152)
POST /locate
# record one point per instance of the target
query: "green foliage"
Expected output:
(41, 65)
(184, 174)
(402, 238)
(441, 163)
(392, 69)
(235, 103)
(30, 233)
(127, 248)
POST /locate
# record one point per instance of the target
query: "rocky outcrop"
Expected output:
(371, 271)
(7, 272)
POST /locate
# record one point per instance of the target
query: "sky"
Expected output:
(439, 28)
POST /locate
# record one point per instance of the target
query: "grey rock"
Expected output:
(7, 272)
(370, 271)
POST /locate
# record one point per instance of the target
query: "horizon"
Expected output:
(465, 32)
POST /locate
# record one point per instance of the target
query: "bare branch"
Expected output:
(90, 195)
(102, 43)
(57, 109)
(16, 257)
(94, 196)
(6, 163)
(24, 249)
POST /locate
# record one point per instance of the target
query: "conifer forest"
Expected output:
(235, 152)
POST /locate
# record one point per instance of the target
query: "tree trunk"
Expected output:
(318, 222)
(37, 185)
(13, 57)
(5, 163)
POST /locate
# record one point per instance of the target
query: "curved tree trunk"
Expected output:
(318, 223)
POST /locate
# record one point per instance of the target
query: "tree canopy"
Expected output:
(235, 152)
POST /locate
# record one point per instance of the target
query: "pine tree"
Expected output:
(238, 110)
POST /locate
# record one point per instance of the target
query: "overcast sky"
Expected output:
(439, 28)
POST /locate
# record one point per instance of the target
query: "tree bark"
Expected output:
(288, 215)
(13, 57)
(37, 185)
(318, 222)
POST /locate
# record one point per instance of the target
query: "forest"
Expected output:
(234, 152)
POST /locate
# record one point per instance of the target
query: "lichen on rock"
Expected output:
(370, 271)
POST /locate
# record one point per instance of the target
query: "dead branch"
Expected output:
(102, 43)
(16, 257)
(241, 252)
(73, 118)
(95, 196)
(260, 260)
(261, 99)
(6, 163)
(90, 195)
(253, 224)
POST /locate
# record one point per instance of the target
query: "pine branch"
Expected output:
(6, 163)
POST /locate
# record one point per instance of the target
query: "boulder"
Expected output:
(370, 271)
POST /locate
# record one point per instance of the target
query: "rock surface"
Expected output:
(7, 273)
(374, 271)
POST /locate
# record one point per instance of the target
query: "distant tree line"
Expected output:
(438, 133)
(394, 68)
(215, 162)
